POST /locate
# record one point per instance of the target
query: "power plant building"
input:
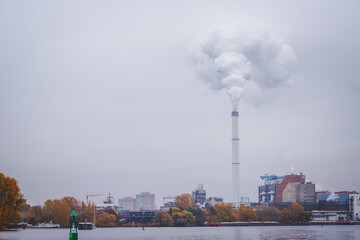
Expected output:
(288, 188)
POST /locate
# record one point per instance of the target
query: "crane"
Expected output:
(267, 177)
(94, 209)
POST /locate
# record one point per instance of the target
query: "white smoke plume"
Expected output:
(333, 196)
(292, 169)
(228, 61)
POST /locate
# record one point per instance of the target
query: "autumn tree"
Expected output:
(10, 201)
(178, 219)
(285, 216)
(210, 215)
(225, 213)
(175, 209)
(183, 219)
(271, 214)
(72, 203)
(184, 201)
(164, 219)
(34, 215)
(48, 211)
(58, 211)
(106, 220)
(199, 214)
(189, 218)
(298, 213)
(246, 214)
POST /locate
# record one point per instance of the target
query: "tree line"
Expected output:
(183, 214)
(58, 211)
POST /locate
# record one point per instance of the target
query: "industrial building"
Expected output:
(324, 206)
(108, 204)
(199, 195)
(288, 188)
(354, 202)
(212, 201)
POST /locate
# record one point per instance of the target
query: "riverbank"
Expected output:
(232, 224)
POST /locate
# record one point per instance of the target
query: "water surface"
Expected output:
(194, 233)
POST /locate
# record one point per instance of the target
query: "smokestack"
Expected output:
(235, 156)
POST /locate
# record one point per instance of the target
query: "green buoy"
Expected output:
(73, 226)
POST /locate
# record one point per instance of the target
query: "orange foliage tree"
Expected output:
(106, 220)
(225, 213)
(268, 214)
(298, 213)
(34, 215)
(57, 211)
(164, 219)
(87, 212)
(184, 201)
(210, 215)
(285, 216)
(246, 214)
(183, 219)
(10, 201)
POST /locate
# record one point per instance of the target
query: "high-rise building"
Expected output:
(199, 195)
(127, 203)
(145, 200)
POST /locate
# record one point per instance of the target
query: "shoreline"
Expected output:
(223, 224)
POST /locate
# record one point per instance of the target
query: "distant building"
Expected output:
(103, 207)
(354, 202)
(212, 201)
(306, 192)
(108, 205)
(330, 216)
(199, 195)
(145, 200)
(143, 217)
(336, 197)
(288, 188)
(167, 206)
(127, 203)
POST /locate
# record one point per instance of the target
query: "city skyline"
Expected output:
(104, 97)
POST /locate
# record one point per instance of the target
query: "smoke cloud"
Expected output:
(228, 61)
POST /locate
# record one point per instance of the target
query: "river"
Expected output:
(193, 233)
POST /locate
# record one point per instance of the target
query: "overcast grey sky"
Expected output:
(102, 96)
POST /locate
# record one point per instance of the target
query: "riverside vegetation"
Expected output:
(13, 210)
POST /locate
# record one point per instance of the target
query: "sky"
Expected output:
(103, 96)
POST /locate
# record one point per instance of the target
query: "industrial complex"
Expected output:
(276, 191)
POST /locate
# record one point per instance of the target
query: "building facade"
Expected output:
(288, 188)
(145, 200)
(199, 195)
(127, 203)
(354, 202)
